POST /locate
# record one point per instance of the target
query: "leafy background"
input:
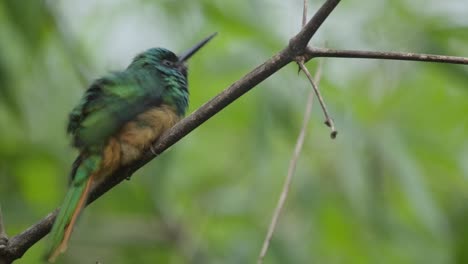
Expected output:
(392, 188)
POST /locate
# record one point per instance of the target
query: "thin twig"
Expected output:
(292, 167)
(313, 52)
(304, 13)
(300, 61)
(328, 121)
(3, 235)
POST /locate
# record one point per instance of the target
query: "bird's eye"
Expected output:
(168, 63)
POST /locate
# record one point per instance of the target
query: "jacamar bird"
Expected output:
(116, 121)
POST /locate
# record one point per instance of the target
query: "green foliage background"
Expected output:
(392, 188)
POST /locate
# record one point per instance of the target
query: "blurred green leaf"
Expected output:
(390, 189)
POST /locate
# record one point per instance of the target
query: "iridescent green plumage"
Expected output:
(117, 119)
(154, 76)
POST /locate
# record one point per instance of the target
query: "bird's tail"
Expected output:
(82, 177)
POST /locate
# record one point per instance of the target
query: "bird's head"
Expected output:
(159, 59)
(165, 60)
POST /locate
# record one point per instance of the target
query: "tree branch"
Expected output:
(313, 52)
(19, 244)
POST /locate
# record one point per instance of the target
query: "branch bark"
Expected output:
(20, 243)
(311, 53)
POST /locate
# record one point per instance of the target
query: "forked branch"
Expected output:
(297, 46)
(20, 243)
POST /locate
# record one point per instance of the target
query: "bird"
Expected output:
(118, 118)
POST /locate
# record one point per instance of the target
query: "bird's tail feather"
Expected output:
(75, 200)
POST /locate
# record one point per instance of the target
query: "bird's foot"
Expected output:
(153, 151)
(3, 241)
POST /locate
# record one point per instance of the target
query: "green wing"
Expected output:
(109, 103)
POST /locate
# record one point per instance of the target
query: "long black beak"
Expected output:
(186, 55)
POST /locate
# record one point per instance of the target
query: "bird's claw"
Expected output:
(153, 151)
(3, 241)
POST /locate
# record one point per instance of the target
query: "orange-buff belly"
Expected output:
(136, 136)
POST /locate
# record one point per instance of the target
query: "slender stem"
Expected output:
(312, 52)
(304, 13)
(328, 121)
(291, 169)
(3, 235)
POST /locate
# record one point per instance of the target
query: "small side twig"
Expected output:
(328, 121)
(313, 52)
(292, 167)
(3, 235)
(300, 61)
(304, 13)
